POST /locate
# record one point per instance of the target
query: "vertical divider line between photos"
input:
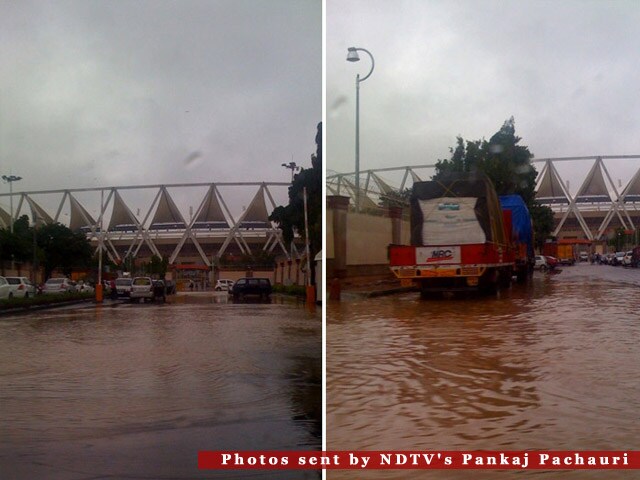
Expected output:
(324, 232)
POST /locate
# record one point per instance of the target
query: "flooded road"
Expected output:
(550, 366)
(135, 391)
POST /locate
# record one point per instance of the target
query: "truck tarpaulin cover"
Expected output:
(456, 209)
(520, 220)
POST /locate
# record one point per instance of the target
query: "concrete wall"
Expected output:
(367, 239)
(357, 242)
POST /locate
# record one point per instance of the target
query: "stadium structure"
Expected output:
(161, 229)
(595, 212)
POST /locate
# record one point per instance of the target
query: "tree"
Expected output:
(18, 245)
(63, 249)
(395, 199)
(509, 167)
(290, 218)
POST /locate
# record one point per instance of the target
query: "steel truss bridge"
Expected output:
(160, 228)
(592, 213)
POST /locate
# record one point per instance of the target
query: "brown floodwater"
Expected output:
(135, 391)
(549, 366)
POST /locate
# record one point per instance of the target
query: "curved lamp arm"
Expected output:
(353, 57)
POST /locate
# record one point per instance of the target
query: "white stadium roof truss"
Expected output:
(163, 219)
(597, 191)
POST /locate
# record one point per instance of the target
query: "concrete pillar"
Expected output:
(340, 207)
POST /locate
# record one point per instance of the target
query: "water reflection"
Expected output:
(136, 390)
(549, 366)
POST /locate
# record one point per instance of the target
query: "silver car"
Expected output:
(59, 285)
(141, 288)
(123, 286)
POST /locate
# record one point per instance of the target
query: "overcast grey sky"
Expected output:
(100, 93)
(568, 71)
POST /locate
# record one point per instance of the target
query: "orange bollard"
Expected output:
(311, 295)
(99, 293)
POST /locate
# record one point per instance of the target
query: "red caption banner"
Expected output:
(419, 460)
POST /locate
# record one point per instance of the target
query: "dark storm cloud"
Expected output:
(97, 93)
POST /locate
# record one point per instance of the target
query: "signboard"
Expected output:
(441, 255)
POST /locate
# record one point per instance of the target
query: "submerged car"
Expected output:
(252, 286)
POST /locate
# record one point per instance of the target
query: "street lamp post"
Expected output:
(353, 56)
(10, 179)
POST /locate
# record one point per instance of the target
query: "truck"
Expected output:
(461, 238)
(564, 252)
(517, 224)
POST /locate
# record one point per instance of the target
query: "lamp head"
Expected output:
(353, 56)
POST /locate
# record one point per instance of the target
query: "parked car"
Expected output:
(145, 288)
(141, 289)
(59, 285)
(552, 262)
(5, 288)
(21, 287)
(224, 285)
(252, 286)
(617, 259)
(584, 257)
(123, 286)
(627, 259)
(541, 263)
(85, 287)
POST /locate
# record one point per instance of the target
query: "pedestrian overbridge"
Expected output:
(129, 222)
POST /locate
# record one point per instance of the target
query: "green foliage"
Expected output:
(543, 223)
(509, 167)
(41, 300)
(295, 290)
(158, 266)
(63, 249)
(395, 199)
(290, 218)
(18, 245)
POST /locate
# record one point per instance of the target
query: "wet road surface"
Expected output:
(549, 366)
(135, 391)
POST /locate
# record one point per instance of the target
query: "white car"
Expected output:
(541, 263)
(627, 259)
(141, 288)
(21, 287)
(123, 286)
(5, 288)
(224, 285)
